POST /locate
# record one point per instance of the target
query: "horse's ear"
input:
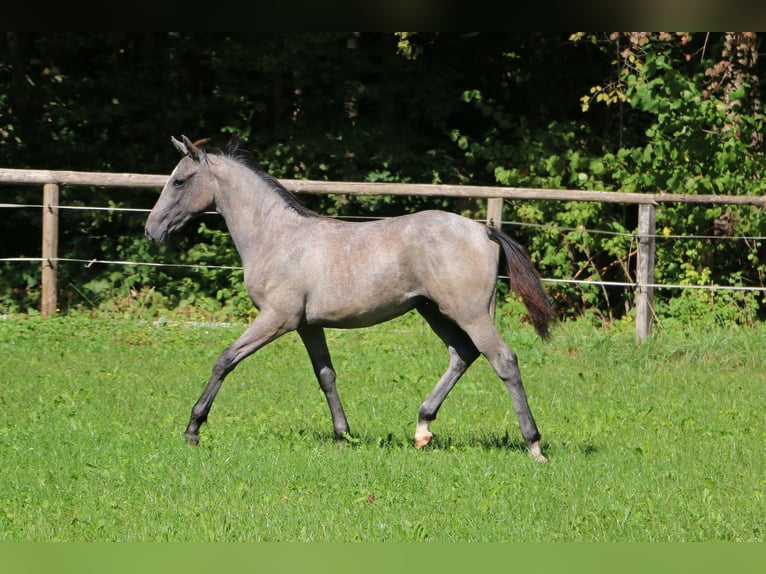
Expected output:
(179, 146)
(195, 152)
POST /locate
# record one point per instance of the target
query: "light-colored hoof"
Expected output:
(422, 438)
(536, 452)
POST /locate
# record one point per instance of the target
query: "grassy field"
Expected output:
(661, 441)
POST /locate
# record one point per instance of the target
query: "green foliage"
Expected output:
(637, 112)
(677, 135)
(205, 280)
(698, 142)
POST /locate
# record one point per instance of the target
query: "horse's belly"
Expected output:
(349, 314)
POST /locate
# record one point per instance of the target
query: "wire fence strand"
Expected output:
(196, 266)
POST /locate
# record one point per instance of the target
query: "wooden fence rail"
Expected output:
(647, 202)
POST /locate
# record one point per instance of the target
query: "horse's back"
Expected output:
(426, 244)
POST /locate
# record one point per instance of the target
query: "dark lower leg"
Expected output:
(462, 354)
(339, 423)
(430, 407)
(505, 363)
(263, 330)
(202, 407)
(316, 344)
(508, 370)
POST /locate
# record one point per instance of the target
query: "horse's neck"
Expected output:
(255, 217)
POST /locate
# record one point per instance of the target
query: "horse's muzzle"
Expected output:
(159, 240)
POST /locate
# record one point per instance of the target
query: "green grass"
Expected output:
(661, 441)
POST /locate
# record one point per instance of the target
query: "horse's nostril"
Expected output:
(154, 239)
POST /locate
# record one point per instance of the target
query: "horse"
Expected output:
(306, 272)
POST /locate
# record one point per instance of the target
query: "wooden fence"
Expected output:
(647, 202)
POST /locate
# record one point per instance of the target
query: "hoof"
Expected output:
(422, 438)
(192, 439)
(344, 436)
(536, 452)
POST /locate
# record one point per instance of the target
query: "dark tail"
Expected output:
(525, 281)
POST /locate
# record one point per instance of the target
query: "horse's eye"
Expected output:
(178, 183)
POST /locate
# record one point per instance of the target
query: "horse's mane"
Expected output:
(234, 150)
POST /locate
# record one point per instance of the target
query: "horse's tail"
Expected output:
(525, 281)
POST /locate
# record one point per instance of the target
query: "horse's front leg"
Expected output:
(316, 345)
(262, 331)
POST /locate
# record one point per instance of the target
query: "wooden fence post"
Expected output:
(50, 249)
(495, 219)
(495, 212)
(645, 270)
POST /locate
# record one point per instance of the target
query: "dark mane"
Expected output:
(244, 157)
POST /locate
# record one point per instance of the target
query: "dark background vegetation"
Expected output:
(634, 112)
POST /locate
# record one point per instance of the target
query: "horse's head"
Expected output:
(189, 191)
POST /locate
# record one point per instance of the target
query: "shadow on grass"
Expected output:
(483, 441)
(504, 442)
(489, 442)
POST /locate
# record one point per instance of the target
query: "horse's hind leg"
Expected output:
(504, 361)
(316, 345)
(462, 353)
